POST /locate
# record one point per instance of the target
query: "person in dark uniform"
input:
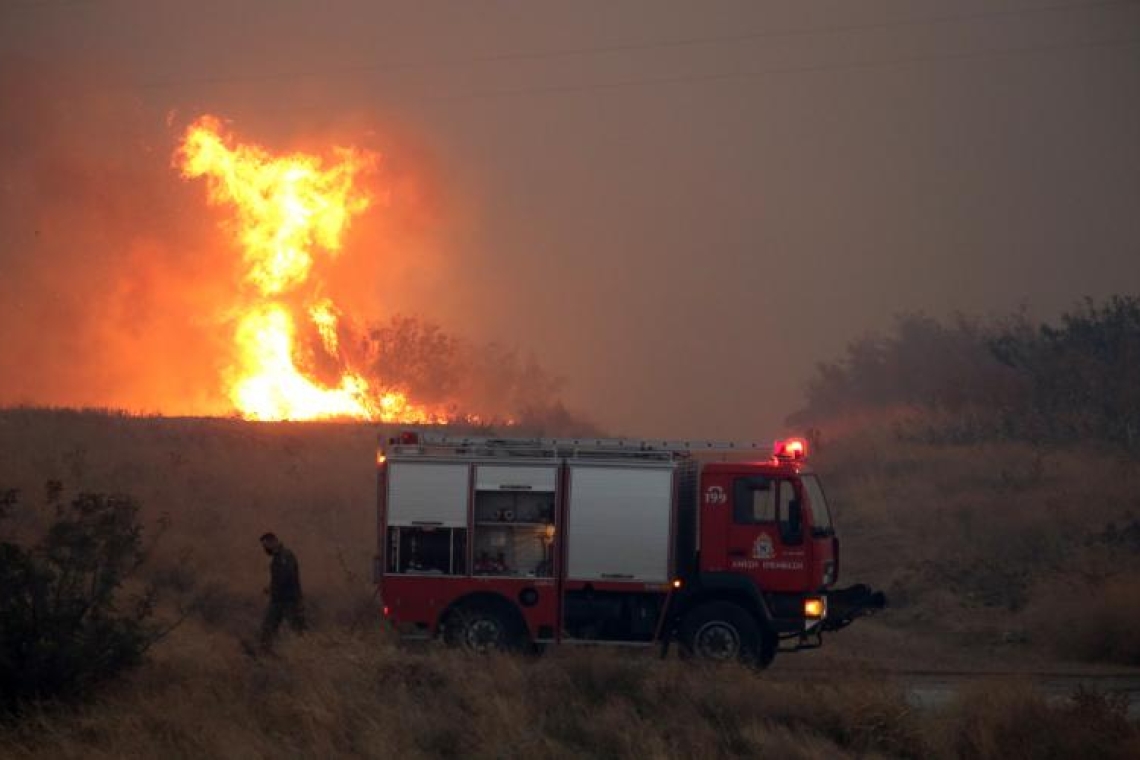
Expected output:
(285, 602)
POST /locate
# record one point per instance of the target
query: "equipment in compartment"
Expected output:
(514, 532)
(429, 550)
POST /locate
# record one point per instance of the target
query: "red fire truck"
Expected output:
(510, 544)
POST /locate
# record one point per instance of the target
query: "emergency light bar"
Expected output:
(792, 449)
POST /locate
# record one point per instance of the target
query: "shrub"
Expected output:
(1008, 379)
(63, 623)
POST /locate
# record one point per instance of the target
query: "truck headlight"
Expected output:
(815, 607)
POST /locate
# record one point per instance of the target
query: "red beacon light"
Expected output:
(409, 438)
(791, 449)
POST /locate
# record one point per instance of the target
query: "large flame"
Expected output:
(287, 208)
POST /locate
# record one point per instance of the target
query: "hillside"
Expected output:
(986, 552)
(982, 546)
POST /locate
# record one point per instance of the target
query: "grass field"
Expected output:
(1030, 548)
(992, 554)
(339, 693)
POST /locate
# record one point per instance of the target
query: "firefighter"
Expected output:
(285, 601)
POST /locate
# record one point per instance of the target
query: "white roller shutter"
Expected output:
(423, 493)
(619, 523)
(499, 478)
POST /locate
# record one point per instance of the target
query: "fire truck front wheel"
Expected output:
(725, 632)
(481, 629)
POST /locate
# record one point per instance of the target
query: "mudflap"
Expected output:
(845, 605)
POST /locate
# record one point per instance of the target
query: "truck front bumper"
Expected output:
(845, 605)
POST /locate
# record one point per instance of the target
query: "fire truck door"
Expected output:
(762, 541)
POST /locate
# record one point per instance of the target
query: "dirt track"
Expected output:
(929, 689)
(933, 671)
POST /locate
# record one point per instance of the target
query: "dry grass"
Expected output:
(1013, 720)
(358, 695)
(1098, 624)
(221, 483)
(995, 542)
(337, 694)
(1032, 527)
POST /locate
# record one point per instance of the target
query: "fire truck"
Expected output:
(727, 549)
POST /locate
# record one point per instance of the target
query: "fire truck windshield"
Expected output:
(821, 515)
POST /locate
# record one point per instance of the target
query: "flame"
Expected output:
(324, 318)
(270, 387)
(287, 208)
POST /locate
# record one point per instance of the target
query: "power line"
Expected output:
(634, 47)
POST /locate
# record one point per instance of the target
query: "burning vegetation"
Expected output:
(288, 211)
(188, 271)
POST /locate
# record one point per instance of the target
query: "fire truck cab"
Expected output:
(516, 543)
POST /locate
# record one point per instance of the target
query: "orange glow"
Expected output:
(286, 209)
(814, 608)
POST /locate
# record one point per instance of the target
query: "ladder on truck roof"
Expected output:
(643, 448)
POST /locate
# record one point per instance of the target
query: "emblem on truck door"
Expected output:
(715, 495)
(763, 548)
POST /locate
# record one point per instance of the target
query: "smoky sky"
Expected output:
(678, 207)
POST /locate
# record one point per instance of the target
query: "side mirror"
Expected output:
(794, 526)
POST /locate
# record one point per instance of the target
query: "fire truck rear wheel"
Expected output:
(481, 630)
(726, 632)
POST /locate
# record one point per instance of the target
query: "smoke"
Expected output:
(495, 382)
(107, 281)
(118, 284)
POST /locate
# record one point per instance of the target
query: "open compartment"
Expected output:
(514, 522)
(427, 550)
(427, 518)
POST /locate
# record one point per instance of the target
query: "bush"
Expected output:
(63, 626)
(977, 380)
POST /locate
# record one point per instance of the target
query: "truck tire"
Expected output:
(725, 632)
(480, 629)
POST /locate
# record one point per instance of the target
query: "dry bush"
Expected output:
(1014, 720)
(67, 622)
(490, 380)
(1096, 624)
